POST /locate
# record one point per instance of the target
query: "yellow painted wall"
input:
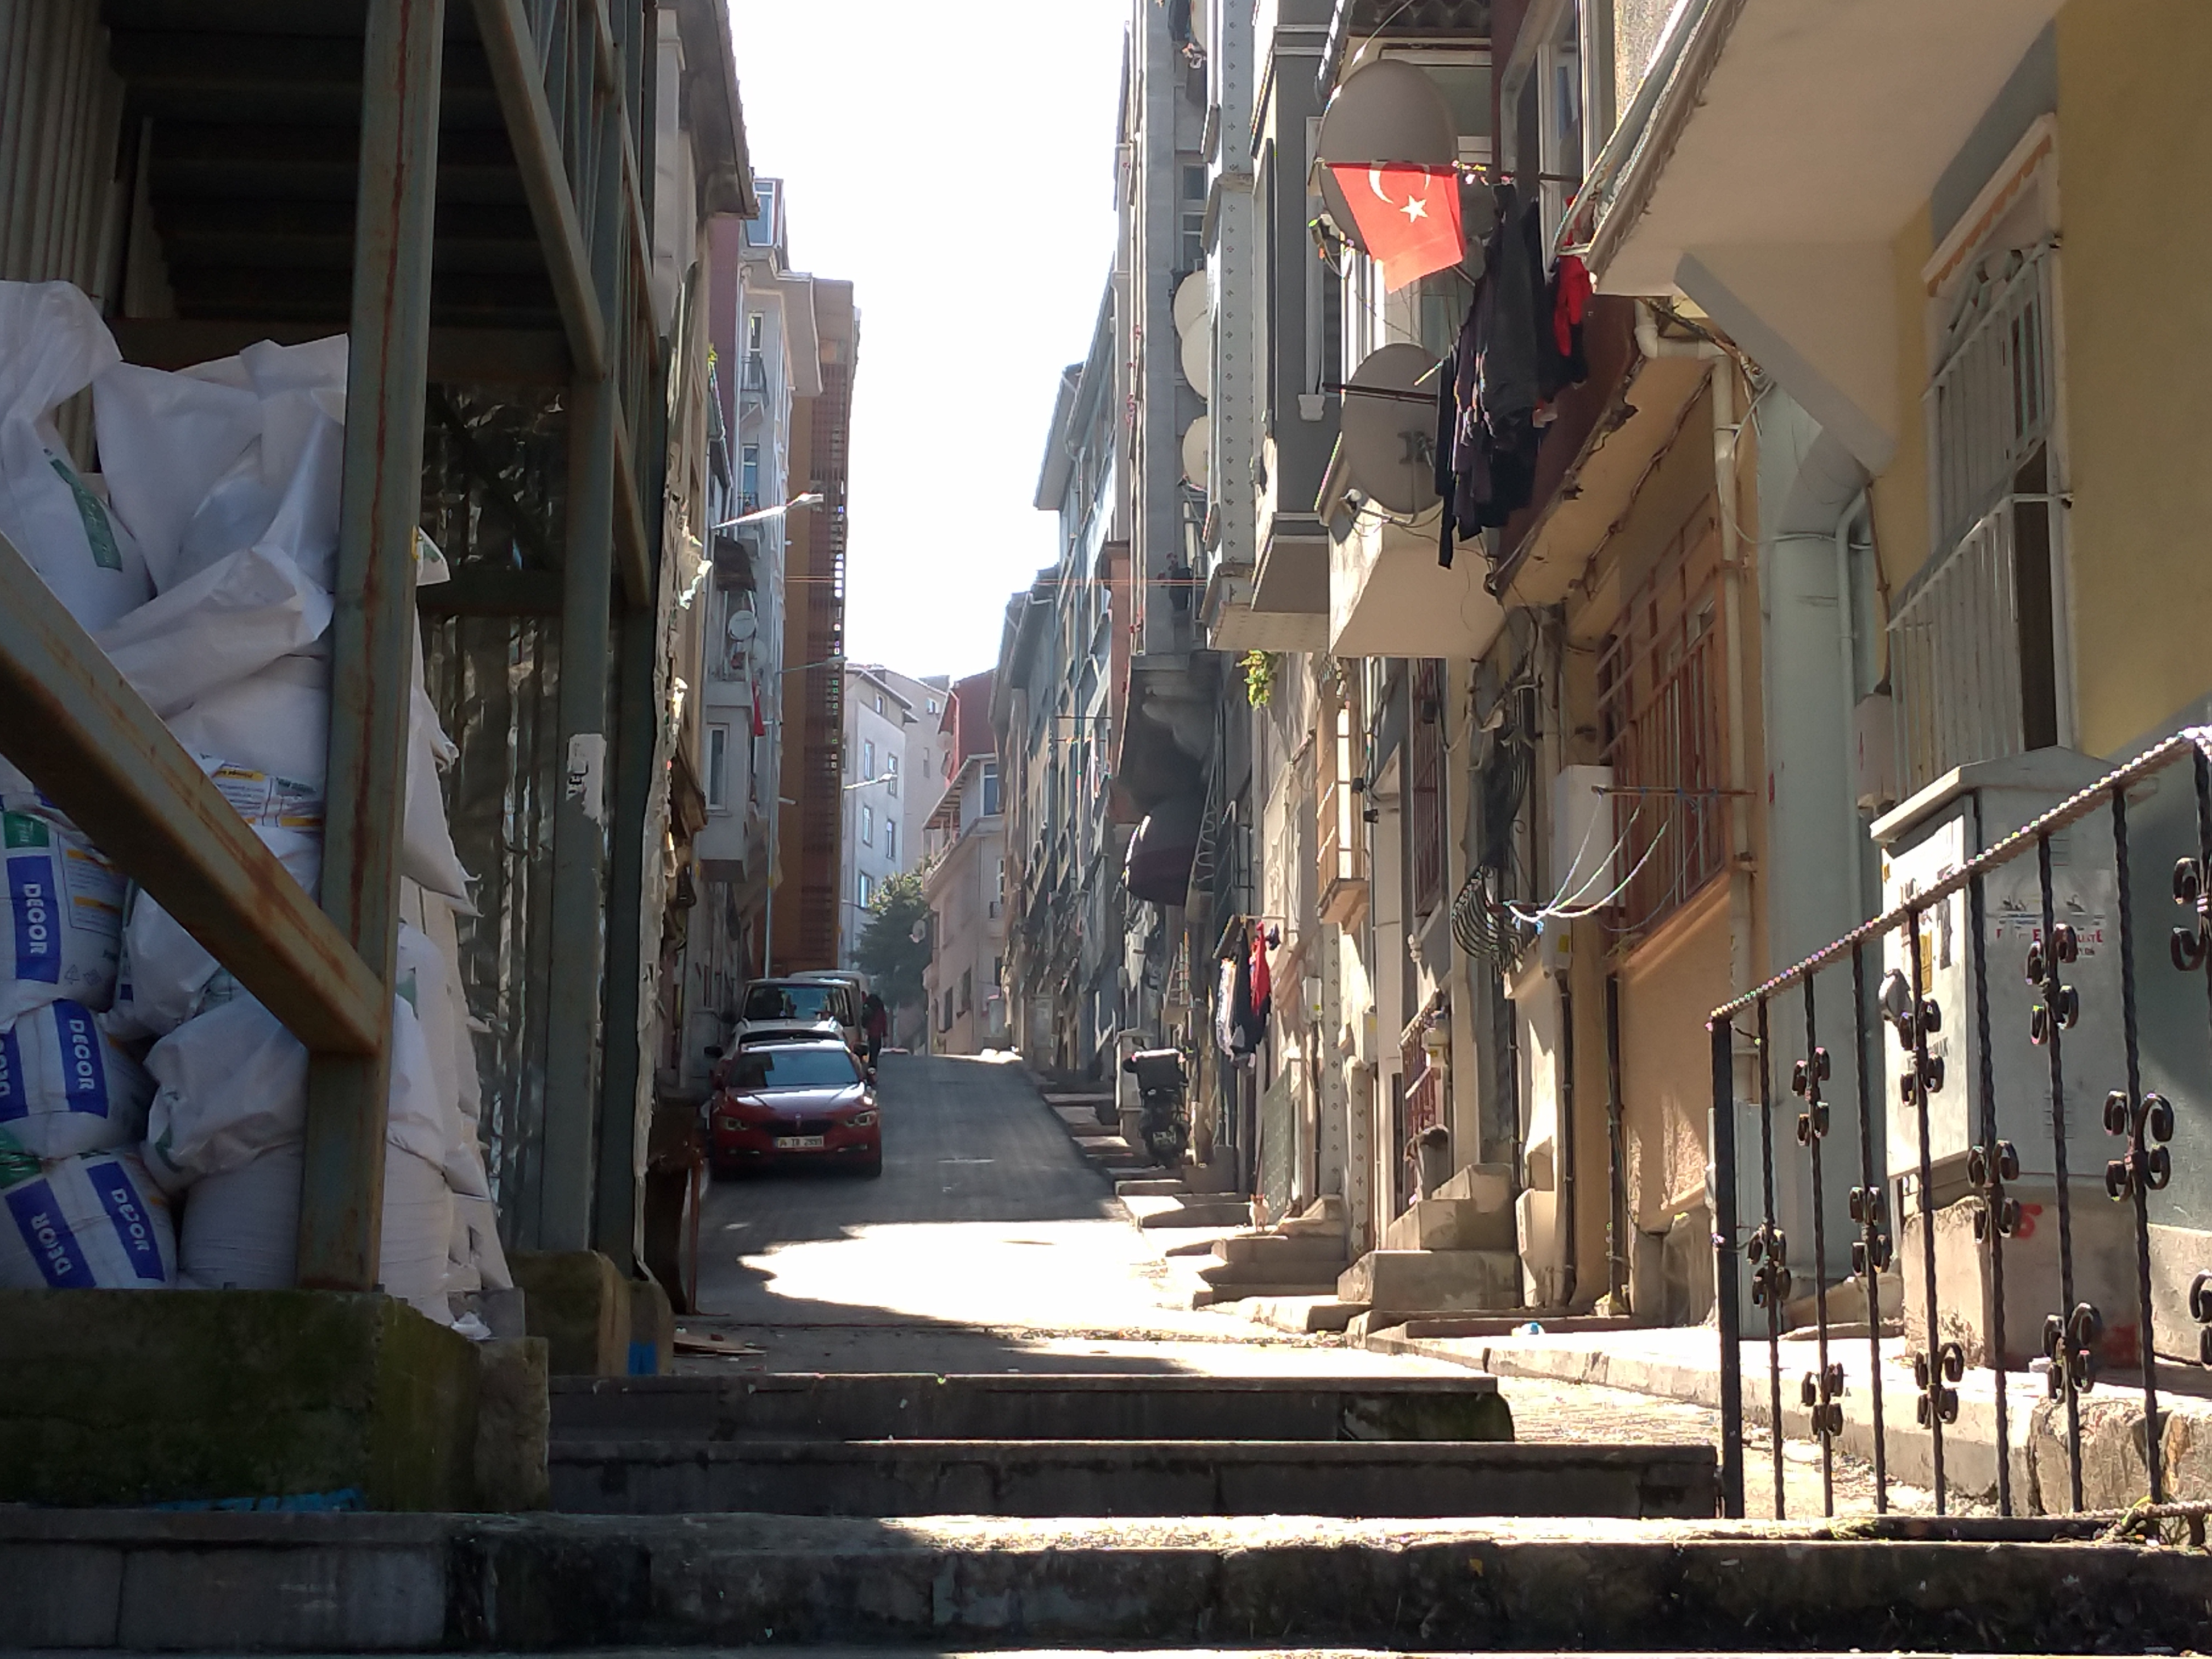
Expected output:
(2134, 152)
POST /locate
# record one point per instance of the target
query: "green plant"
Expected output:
(887, 951)
(1259, 668)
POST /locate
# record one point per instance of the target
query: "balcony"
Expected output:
(1770, 160)
(1388, 596)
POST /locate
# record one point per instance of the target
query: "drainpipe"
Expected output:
(1723, 381)
(1616, 1150)
(1650, 344)
(1847, 641)
(1569, 1257)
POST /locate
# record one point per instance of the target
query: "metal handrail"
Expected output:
(2196, 739)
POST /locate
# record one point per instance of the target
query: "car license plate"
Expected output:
(800, 1143)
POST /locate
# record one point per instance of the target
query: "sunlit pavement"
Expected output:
(987, 1244)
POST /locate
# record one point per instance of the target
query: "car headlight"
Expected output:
(730, 1122)
(860, 1121)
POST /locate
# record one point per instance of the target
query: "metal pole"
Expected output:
(580, 830)
(629, 952)
(1728, 1312)
(341, 1186)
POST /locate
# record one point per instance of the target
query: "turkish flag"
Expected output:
(1409, 216)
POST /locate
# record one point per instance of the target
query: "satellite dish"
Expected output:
(1192, 303)
(1390, 426)
(743, 624)
(1197, 438)
(1388, 112)
(1197, 361)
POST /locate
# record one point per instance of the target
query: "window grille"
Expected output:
(1663, 686)
(1972, 639)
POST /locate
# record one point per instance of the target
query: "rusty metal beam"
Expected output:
(486, 357)
(513, 54)
(372, 635)
(72, 723)
(574, 1008)
(634, 558)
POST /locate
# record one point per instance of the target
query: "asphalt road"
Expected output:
(987, 1245)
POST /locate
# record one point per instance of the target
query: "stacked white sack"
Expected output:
(229, 473)
(62, 925)
(430, 979)
(66, 1087)
(239, 1153)
(79, 1223)
(52, 346)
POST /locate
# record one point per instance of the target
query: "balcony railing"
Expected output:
(2018, 1176)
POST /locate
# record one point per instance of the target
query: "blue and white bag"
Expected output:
(80, 1223)
(66, 1087)
(61, 913)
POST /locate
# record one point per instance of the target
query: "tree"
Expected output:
(894, 947)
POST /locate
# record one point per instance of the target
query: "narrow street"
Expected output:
(987, 1245)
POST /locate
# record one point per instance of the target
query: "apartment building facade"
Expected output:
(1833, 524)
(965, 880)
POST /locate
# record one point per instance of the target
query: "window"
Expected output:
(867, 829)
(990, 787)
(1974, 638)
(749, 476)
(1663, 686)
(998, 971)
(761, 232)
(755, 326)
(864, 891)
(1425, 777)
(1191, 255)
(890, 839)
(718, 767)
(868, 758)
(890, 766)
(932, 702)
(786, 1066)
(966, 989)
(1560, 120)
(944, 1019)
(880, 702)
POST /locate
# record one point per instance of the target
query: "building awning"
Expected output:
(1770, 160)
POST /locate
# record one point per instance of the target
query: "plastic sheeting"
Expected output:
(495, 472)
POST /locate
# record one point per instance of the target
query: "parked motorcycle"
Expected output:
(1163, 1090)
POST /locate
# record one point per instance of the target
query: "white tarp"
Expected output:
(228, 621)
(52, 344)
(81, 1224)
(62, 925)
(66, 1087)
(227, 454)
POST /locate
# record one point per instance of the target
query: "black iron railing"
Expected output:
(1964, 1234)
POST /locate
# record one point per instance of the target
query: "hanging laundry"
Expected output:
(1225, 1027)
(1263, 995)
(1519, 347)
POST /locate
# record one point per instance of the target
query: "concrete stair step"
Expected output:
(1307, 1313)
(1097, 1405)
(1434, 1281)
(141, 1580)
(1316, 1251)
(1195, 1212)
(1220, 1291)
(1145, 1476)
(1451, 1224)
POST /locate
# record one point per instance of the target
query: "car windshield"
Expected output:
(757, 1069)
(808, 1002)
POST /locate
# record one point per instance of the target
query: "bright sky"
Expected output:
(956, 164)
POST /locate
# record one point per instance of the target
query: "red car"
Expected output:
(795, 1103)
